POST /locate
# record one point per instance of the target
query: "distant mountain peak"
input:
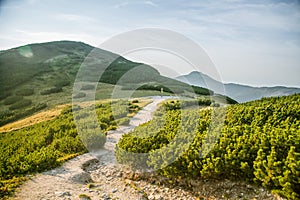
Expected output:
(241, 93)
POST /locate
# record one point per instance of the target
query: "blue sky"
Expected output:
(251, 42)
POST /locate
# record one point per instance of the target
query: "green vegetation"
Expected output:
(84, 197)
(12, 99)
(182, 104)
(79, 95)
(3, 95)
(171, 87)
(120, 66)
(25, 92)
(48, 144)
(21, 104)
(51, 69)
(195, 103)
(13, 115)
(259, 142)
(87, 87)
(62, 83)
(51, 90)
(48, 68)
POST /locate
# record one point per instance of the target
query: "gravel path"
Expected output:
(76, 178)
(97, 175)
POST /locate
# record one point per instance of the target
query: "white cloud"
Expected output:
(72, 17)
(121, 4)
(132, 3)
(32, 1)
(150, 3)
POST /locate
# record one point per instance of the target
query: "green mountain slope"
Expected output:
(22, 64)
(36, 76)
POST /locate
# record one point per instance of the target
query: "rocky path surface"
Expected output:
(97, 175)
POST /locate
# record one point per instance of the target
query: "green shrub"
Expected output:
(62, 83)
(3, 95)
(84, 197)
(8, 186)
(204, 102)
(25, 92)
(179, 104)
(202, 91)
(12, 99)
(156, 87)
(93, 139)
(51, 90)
(10, 116)
(21, 104)
(133, 108)
(123, 121)
(87, 87)
(79, 95)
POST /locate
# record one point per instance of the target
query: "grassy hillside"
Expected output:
(37, 76)
(259, 142)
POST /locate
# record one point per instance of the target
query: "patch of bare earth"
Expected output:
(97, 175)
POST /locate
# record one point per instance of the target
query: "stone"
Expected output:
(62, 194)
(114, 190)
(105, 196)
(82, 178)
(158, 197)
(151, 197)
(119, 174)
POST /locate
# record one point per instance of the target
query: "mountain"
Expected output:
(52, 67)
(241, 93)
(36, 76)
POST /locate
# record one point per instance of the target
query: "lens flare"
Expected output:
(25, 51)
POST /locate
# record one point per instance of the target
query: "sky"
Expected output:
(254, 42)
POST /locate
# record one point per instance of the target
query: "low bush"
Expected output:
(62, 83)
(12, 99)
(25, 92)
(79, 95)
(87, 87)
(51, 90)
(10, 116)
(3, 95)
(21, 104)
